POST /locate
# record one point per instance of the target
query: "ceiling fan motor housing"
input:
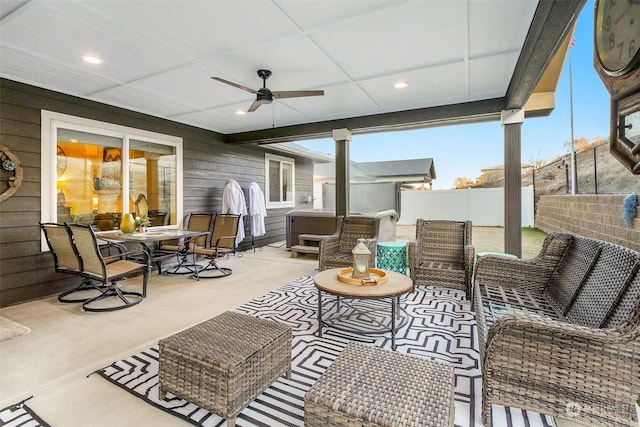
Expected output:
(264, 96)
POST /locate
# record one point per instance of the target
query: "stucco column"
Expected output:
(342, 138)
(512, 123)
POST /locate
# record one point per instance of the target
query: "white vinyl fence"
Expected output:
(482, 206)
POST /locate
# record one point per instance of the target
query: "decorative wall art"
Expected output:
(10, 173)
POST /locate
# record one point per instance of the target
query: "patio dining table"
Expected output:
(150, 240)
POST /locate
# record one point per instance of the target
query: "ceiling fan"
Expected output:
(265, 96)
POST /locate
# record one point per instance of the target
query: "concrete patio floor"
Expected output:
(54, 361)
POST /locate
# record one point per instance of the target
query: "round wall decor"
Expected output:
(10, 173)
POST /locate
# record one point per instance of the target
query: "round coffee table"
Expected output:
(397, 284)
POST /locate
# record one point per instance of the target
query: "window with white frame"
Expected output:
(92, 172)
(280, 181)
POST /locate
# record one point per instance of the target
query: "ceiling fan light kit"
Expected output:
(264, 95)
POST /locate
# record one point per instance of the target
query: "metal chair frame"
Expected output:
(222, 243)
(60, 245)
(108, 270)
(186, 250)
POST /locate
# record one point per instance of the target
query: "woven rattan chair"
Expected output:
(186, 250)
(335, 250)
(442, 254)
(222, 243)
(65, 260)
(108, 271)
(570, 346)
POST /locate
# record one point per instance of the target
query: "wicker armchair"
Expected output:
(335, 250)
(442, 254)
(560, 333)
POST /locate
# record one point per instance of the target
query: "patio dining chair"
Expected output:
(108, 270)
(335, 250)
(65, 260)
(185, 250)
(158, 218)
(442, 254)
(222, 243)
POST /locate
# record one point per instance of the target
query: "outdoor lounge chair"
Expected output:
(65, 260)
(335, 250)
(185, 250)
(108, 270)
(442, 254)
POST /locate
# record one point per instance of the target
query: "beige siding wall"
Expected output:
(25, 272)
(591, 215)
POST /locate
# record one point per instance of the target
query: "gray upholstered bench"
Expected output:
(375, 387)
(224, 363)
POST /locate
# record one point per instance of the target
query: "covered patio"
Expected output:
(471, 62)
(465, 62)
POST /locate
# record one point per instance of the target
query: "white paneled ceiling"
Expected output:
(159, 55)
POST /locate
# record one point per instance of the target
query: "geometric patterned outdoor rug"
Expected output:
(20, 415)
(441, 326)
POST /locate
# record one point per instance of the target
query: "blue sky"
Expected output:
(465, 149)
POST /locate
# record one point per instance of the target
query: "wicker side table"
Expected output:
(224, 363)
(377, 387)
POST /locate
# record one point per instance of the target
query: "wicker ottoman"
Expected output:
(223, 364)
(369, 386)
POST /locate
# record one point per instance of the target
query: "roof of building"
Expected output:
(298, 150)
(385, 169)
(401, 167)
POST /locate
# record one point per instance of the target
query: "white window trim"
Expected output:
(281, 159)
(51, 121)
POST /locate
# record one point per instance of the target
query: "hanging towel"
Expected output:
(257, 209)
(233, 203)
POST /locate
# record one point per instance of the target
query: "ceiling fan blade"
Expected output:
(281, 94)
(246, 89)
(253, 106)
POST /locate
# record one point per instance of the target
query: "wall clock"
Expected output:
(617, 62)
(10, 173)
(617, 35)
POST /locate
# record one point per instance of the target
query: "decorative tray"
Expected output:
(378, 277)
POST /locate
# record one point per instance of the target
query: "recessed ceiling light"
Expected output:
(401, 85)
(241, 112)
(92, 59)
